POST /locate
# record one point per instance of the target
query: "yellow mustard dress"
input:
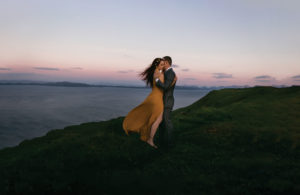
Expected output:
(141, 118)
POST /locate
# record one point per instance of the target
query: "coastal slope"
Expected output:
(231, 141)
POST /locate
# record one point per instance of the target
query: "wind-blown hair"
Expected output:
(147, 74)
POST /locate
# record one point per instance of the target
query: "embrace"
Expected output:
(155, 110)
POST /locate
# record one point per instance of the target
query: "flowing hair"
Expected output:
(147, 74)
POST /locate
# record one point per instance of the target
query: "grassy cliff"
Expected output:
(232, 141)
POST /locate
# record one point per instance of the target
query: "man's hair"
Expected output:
(168, 59)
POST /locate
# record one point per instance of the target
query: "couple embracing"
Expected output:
(155, 110)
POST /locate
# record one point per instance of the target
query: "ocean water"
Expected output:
(31, 111)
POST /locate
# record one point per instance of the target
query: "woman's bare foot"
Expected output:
(150, 142)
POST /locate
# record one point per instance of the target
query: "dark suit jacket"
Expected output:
(168, 96)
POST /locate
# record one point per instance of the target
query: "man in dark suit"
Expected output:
(166, 132)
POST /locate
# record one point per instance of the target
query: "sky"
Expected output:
(211, 42)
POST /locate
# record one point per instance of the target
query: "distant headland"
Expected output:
(78, 84)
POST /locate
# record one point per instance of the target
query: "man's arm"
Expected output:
(168, 81)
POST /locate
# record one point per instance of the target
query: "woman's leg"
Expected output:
(154, 128)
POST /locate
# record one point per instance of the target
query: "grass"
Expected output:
(232, 141)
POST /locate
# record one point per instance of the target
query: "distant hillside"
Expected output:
(232, 141)
(75, 84)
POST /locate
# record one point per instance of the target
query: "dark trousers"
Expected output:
(166, 129)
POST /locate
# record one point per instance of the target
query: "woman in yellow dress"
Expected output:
(146, 117)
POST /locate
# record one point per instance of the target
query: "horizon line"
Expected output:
(25, 81)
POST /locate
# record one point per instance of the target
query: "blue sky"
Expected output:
(211, 42)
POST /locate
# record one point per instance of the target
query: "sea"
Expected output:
(29, 111)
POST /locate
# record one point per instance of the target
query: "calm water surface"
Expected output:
(31, 111)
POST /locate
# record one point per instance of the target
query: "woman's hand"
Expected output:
(175, 79)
